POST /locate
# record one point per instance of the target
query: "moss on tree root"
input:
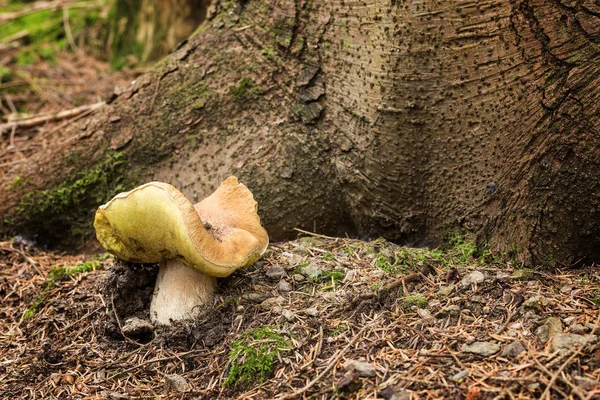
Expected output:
(65, 212)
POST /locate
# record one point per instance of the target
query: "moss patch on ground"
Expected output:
(253, 354)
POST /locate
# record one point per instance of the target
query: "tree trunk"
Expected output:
(391, 118)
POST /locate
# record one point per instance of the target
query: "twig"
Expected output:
(332, 363)
(41, 119)
(315, 234)
(68, 32)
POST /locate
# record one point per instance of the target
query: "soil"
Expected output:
(391, 307)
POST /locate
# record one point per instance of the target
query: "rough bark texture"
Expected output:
(390, 118)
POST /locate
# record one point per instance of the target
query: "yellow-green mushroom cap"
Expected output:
(155, 223)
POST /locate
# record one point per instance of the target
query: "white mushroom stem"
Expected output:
(181, 293)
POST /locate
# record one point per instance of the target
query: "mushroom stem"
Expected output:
(180, 293)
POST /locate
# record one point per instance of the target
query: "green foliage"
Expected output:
(385, 264)
(409, 301)
(462, 248)
(44, 31)
(58, 274)
(6, 74)
(253, 354)
(25, 57)
(328, 256)
(67, 210)
(330, 277)
(18, 181)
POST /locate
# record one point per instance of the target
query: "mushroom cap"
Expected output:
(155, 222)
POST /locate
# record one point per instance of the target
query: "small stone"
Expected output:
(299, 277)
(473, 278)
(275, 272)
(313, 312)
(523, 274)
(114, 118)
(269, 303)
(392, 393)
(458, 377)
(452, 310)
(425, 314)
(485, 349)
(586, 383)
(310, 271)
(349, 383)
(287, 314)
(284, 286)
(513, 349)
(175, 383)
(361, 368)
(569, 320)
(446, 290)
(568, 342)
(136, 327)
(350, 275)
(549, 328)
(534, 303)
(255, 297)
(577, 329)
(591, 327)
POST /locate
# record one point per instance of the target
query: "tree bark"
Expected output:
(391, 118)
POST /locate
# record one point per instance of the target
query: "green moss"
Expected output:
(17, 182)
(245, 89)
(331, 277)
(65, 213)
(6, 74)
(418, 301)
(253, 354)
(25, 57)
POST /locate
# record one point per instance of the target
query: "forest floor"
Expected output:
(317, 318)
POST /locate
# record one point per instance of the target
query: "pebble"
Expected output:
(458, 377)
(269, 303)
(310, 271)
(549, 328)
(287, 314)
(577, 329)
(299, 277)
(567, 341)
(361, 368)
(513, 349)
(312, 312)
(586, 383)
(481, 348)
(284, 286)
(137, 327)
(255, 297)
(472, 278)
(275, 272)
(451, 310)
(534, 303)
(392, 393)
(446, 290)
(175, 383)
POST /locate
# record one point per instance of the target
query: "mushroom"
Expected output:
(194, 244)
